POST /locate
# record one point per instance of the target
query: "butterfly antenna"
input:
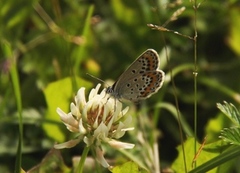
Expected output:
(96, 78)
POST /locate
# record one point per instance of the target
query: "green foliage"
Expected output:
(230, 111)
(223, 162)
(59, 94)
(232, 134)
(204, 155)
(47, 47)
(128, 167)
(234, 37)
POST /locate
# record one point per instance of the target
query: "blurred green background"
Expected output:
(46, 41)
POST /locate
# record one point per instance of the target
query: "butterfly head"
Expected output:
(111, 91)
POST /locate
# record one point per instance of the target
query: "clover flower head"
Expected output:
(96, 121)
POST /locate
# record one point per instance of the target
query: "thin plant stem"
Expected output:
(174, 87)
(195, 73)
(12, 55)
(82, 160)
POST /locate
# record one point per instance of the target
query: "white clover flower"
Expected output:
(98, 120)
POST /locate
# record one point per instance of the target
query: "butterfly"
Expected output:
(140, 80)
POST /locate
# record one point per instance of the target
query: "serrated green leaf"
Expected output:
(230, 111)
(231, 135)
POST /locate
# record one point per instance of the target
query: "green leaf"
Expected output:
(81, 50)
(223, 161)
(59, 94)
(214, 127)
(203, 156)
(231, 135)
(231, 111)
(128, 167)
(234, 35)
(18, 96)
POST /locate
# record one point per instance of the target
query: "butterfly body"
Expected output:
(140, 80)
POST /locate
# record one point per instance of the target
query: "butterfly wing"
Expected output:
(147, 61)
(144, 68)
(142, 86)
